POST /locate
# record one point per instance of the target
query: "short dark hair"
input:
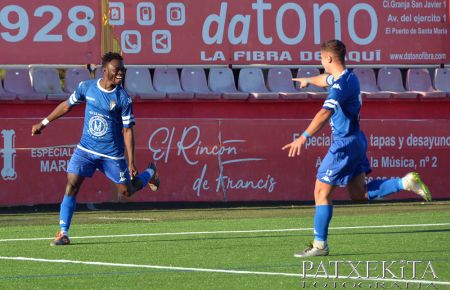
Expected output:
(336, 47)
(109, 56)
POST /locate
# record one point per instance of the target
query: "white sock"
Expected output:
(404, 183)
(150, 171)
(320, 244)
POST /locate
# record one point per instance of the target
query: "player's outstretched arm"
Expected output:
(320, 81)
(320, 119)
(62, 109)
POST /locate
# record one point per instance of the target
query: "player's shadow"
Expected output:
(306, 234)
(175, 240)
(391, 252)
(393, 232)
(396, 252)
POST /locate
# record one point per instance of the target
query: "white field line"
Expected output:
(242, 272)
(125, 218)
(229, 232)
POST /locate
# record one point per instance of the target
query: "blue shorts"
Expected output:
(84, 164)
(345, 159)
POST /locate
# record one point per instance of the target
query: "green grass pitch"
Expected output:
(233, 248)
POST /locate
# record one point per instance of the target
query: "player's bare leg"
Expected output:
(357, 188)
(323, 193)
(324, 212)
(149, 176)
(73, 184)
(130, 188)
(67, 209)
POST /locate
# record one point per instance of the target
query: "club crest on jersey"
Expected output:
(112, 104)
(98, 126)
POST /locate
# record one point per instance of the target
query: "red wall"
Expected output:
(226, 151)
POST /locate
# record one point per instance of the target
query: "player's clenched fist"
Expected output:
(37, 128)
(133, 170)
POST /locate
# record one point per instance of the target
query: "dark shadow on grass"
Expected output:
(389, 233)
(76, 243)
(393, 252)
(256, 237)
(176, 240)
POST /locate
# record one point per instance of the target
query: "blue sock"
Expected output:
(380, 188)
(322, 219)
(145, 177)
(66, 212)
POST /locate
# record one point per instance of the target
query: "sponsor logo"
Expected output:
(336, 86)
(112, 104)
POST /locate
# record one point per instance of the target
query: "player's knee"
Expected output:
(72, 189)
(73, 184)
(125, 193)
(124, 190)
(322, 196)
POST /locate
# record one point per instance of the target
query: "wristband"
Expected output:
(308, 81)
(306, 135)
(45, 122)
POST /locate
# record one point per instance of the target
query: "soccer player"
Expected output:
(107, 142)
(345, 164)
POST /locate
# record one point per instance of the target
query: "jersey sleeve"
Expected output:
(334, 98)
(79, 95)
(127, 111)
(330, 80)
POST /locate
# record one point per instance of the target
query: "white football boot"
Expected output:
(313, 251)
(412, 182)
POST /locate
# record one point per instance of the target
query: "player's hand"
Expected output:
(303, 82)
(295, 146)
(37, 129)
(133, 170)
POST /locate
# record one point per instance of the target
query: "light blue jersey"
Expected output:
(344, 100)
(346, 157)
(107, 113)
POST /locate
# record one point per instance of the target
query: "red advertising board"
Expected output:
(50, 31)
(217, 160)
(226, 32)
